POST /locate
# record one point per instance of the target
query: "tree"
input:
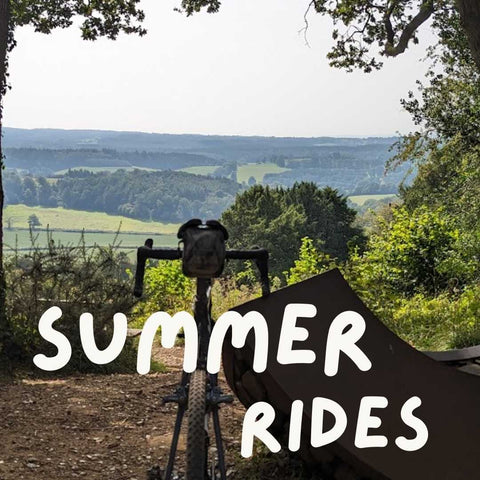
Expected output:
(446, 146)
(260, 217)
(45, 193)
(278, 219)
(33, 221)
(30, 194)
(100, 18)
(329, 218)
(470, 17)
(5, 335)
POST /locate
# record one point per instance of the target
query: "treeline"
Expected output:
(164, 196)
(48, 161)
(29, 190)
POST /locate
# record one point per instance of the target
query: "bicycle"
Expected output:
(203, 257)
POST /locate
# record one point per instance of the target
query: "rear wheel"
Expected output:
(196, 433)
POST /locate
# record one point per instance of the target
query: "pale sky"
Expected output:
(243, 71)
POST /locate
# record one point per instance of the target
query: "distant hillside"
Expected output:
(238, 148)
(354, 166)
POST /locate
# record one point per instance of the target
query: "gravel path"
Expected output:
(96, 426)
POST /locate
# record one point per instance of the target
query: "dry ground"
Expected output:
(96, 426)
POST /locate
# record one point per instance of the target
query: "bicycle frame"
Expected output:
(202, 315)
(202, 310)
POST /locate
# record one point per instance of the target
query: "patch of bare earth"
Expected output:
(97, 426)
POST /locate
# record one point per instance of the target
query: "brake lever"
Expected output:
(140, 270)
(262, 265)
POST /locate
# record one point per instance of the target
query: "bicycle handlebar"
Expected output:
(258, 255)
(146, 252)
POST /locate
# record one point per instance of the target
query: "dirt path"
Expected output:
(96, 426)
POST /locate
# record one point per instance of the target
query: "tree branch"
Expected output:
(470, 18)
(305, 19)
(391, 50)
(388, 24)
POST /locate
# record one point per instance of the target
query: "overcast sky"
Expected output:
(243, 71)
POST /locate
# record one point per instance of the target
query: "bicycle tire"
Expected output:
(196, 434)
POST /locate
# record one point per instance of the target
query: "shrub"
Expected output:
(166, 289)
(310, 262)
(78, 279)
(415, 252)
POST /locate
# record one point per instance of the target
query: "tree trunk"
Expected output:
(470, 18)
(4, 26)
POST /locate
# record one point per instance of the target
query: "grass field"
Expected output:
(257, 171)
(21, 239)
(60, 218)
(244, 172)
(361, 199)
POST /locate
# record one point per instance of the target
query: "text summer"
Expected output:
(345, 331)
